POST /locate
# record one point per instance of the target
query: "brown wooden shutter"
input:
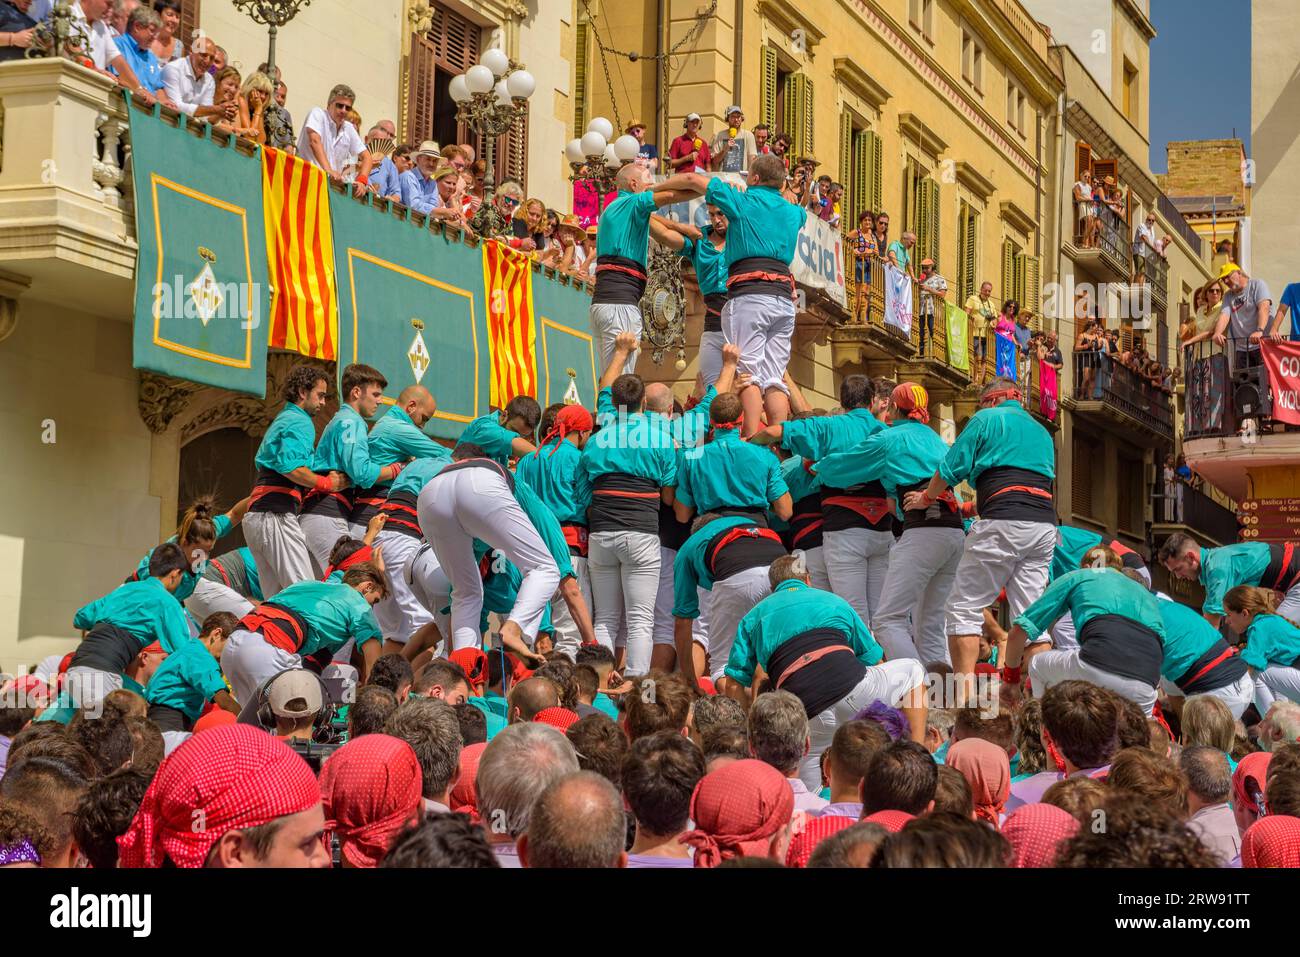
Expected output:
(1082, 161)
(512, 155)
(190, 24)
(423, 76)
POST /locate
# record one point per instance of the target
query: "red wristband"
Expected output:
(1011, 675)
(323, 484)
(398, 466)
(363, 179)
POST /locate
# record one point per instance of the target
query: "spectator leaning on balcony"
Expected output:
(831, 201)
(781, 148)
(933, 286)
(1083, 209)
(418, 188)
(688, 152)
(168, 46)
(1244, 316)
(387, 179)
(863, 243)
(329, 140)
(191, 88)
(16, 28)
(900, 253)
(982, 312)
(136, 47)
(733, 148)
(1144, 246)
(91, 16)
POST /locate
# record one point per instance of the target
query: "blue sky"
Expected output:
(1200, 73)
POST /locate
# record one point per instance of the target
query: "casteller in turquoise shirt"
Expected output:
(334, 614)
(640, 444)
(415, 476)
(710, 264)
(691, 570)
(1087, 593)
(791, 610)
(145, 609)
(1187, 637)
(190, 577)
(625, 226)
(730, 473)
(491, 436)
(1071, 545)
(820, 436)
(289, 443)
(760, 221)
(1271, 640)
(187, 680)
(1004, 435)
(395, 438)
(343, 447)
(900, 456)
(496, 723)
(554, 473)
(1223, 569)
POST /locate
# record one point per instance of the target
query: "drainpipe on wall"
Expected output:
(661, 77)
(737, 55)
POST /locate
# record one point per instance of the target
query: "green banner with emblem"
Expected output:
(957, 327)
(564, 343)
(201, 289)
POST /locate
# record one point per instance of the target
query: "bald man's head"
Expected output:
(633, 178)
(658, 398)
(417, 402)
(531, 696)
(578, 821)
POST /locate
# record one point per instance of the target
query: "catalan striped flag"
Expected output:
(512, 338)
(300, 252)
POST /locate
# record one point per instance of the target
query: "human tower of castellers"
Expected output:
(738, 630)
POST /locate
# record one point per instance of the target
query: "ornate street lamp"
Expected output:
(594, 160)
(491, 97)
(272, 14)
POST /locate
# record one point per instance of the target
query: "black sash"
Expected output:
(1122, 646)
(823, 682)
(1014, 494)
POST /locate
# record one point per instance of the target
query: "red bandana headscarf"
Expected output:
(988, 772)
(891, 821)
(815, 831)
(1035, 832)
(557, 717)
(912, 399)
(371, 790)
(1253, 767)
(229, 778)
(1272, 842)
(736, 810)
(464, 795)
(572, 418)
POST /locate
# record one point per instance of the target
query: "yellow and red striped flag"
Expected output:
(512, 338)
(300, 252)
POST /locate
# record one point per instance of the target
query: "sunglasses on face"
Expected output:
(509, 201)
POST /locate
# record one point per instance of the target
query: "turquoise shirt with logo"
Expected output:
(691, 568)
(791, 610)
(625, 226)
(730, 473)
(905, 453)
(554, 473)
(1071, 545)
(1271, 640)
(1187, 637)
(395, 438)
(1087, 593)
(1223, 569)
(1002, 436)
(190, 577)
(638, 444)
(491, 436)
(343, 447)
(144, 608)
(334, 614)
(710, 264)
(187, 680)
(761, 222)
(289, 443)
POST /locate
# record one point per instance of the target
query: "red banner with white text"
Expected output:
(1282, 359)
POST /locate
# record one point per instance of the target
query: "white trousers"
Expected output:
(1276, 681)
(908, 618)
(763, 327)
(733, 598)
(248, 660)
(607, 321)
(816, 559)
(711, 344)
(458, 506)
(90, 686)
(431, 588)
(887, 682)
(664, 601)
(210, 597)
(279, 550)
(400, 614)
(1237, 696)
(1063, 633)
(624, 570)
(567, 638)
(322, 533)
(999, 554)
(857, 560)
(1050, 668)
(1289, 607)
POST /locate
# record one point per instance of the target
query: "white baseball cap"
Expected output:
(295, 694)
(691, 117)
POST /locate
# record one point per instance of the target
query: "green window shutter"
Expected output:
(580, 80)
(877, 171)
(909, 196)
(860, 184)
(1018, 284)
(807, 115)
(768, 92)
(848, 217)
(935, 214)
(1032, 288)
(1007, 289)
(969, 254)
(794, 112)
